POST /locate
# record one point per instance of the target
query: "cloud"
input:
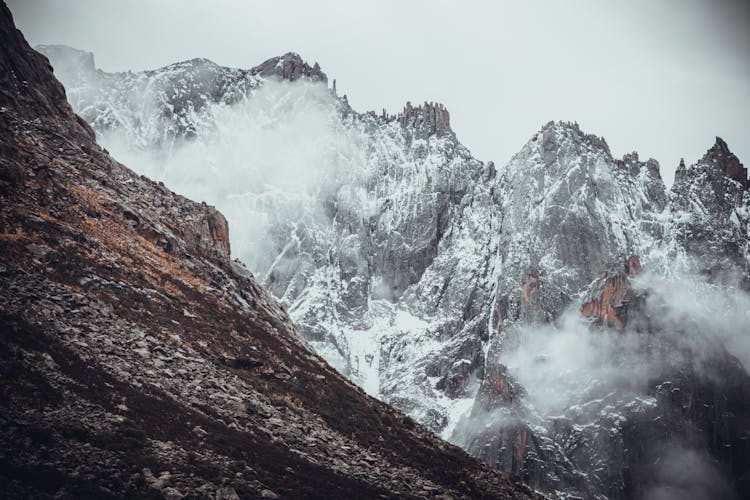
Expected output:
(268, 163)
(679, 473)
(591, 390)
(563, 365)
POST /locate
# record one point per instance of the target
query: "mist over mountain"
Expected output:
(563, 316)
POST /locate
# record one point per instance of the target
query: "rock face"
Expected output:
(138, 360)
(689, 397)
(608, 297)
(711, 199)
(444, 285)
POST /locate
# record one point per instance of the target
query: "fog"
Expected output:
(701, 310)
(569, 364)
(683, 473)
(591, 376)
(662, 78)
(271, 159)
(562, 365)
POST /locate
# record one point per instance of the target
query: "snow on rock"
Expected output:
(418, 271)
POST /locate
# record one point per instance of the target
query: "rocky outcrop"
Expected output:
(649, 172)
(608, 297)
(138, 360)
(725, 161)
(290, 67)
(428, 119)
(710, 200)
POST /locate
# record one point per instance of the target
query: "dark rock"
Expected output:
(291, 67)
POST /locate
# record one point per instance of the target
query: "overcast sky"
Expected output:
(659, 77)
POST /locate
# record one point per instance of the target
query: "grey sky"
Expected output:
(660, 77)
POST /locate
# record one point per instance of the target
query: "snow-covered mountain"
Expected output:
(452, 288)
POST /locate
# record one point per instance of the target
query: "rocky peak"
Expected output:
(199, 63)
(712, 198)
(717, 177)
(720, 156)
(71, 62)
(633, 157)
(717, 164)
(633, 164)
(557, 142)
(647, 175)
(290, 67)
(561, 134)
(681, 166)
(429, 118)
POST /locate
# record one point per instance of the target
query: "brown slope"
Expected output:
(137, 359)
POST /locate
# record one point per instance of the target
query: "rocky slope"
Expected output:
(138, 360)
(459, 291)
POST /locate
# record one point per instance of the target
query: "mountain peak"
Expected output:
(290, 66)
(68, 60)
(430, 118)
(66, 50)
(194, 63)
(561, 125)
(720, 156)
(557, 136)
(720, 144)
(633, 162)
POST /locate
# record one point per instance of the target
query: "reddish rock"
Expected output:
(610, 294)
(736, 171)
(728, 162)
(530, 288)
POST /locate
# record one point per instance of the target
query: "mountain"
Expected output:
(565, 316)
(139, 360)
